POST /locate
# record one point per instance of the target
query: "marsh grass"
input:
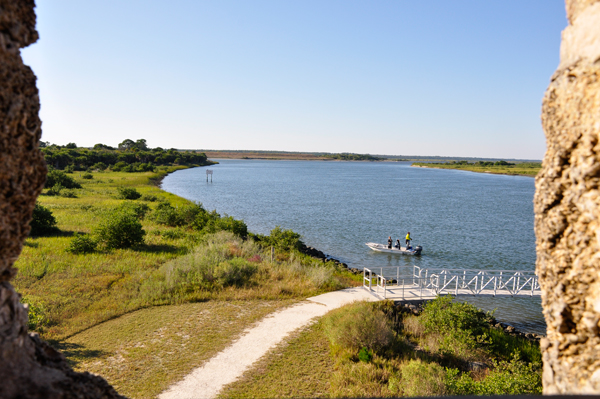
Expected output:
(174, 265)
(522, 169)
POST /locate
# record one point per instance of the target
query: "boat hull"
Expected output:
(401, 251)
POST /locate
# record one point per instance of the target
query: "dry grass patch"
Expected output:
(144, 352)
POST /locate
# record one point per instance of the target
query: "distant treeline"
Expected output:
(353, 157)
(479, 163)
(130, 156)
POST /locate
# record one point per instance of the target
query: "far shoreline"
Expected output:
(475, 171)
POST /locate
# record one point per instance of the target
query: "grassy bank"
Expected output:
(186, 254)
(521, 169)
(376, 350)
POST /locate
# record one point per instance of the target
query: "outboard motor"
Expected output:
(418, 250)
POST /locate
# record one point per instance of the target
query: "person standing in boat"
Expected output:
(390, 242)
(408, 239)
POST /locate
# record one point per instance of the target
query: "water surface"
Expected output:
(462, 219)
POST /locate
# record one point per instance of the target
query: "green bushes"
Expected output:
(285, 240)
(512, 377)
(419, 378)
(87, 176)
(128, 193)
(43, 222)
(56, 177)
(120, 229)
(81, 244)
(358, 326)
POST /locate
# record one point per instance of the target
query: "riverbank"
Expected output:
(529, 169)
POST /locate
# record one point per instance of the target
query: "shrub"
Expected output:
(128, 193)
(43, 222)
(512, 377)
(149, 198)
(36, 314)
(359, 325)
(81, 244)
(135, 208)
(66, 193)
(56, 177)
(120, 229)
(185, 215)
(365, 355)
(55, 190)
(419, 378)
(69, 169)
(87, 176)
(284, 239)
(99, 166)
(234, 272)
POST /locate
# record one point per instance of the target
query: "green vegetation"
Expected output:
(108, 256)
(130, 156)
(42, 222)
(353, 157)
(498, 167)
(449, 349)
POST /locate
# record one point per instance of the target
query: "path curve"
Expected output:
(228, 365)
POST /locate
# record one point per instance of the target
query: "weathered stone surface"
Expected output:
(29, 367)
(567, 209)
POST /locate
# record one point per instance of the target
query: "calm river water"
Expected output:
(462, 219)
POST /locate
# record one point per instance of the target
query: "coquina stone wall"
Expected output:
(29, 367)
(567, 209)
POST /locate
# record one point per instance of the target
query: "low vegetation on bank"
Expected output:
(498, 167)
(380, 350)
(115, 243)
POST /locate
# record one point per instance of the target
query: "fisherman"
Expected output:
(397, 244)
(408, 240)
(390, 242)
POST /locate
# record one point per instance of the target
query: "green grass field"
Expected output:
(520, 169)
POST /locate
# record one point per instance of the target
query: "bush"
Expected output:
(135, 208)
(99, 166)
(43, 222)
(461, 326)
(36, 314)
(81, 244)
(128, 193)
(149, 198)
(87, 176)
(234, 272)
(120, 229)
(185, 215)
(284, 239)
(419, 379)
(512, 377)
(67, 193)
(358, 326)
(56, 177)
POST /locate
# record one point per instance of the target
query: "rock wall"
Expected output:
(29, 367)
(567, 209)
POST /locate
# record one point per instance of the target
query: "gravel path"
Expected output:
(228, 365)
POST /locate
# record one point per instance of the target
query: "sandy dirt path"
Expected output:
(228, 365)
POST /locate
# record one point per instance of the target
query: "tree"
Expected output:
(126, 144)
(141, 145)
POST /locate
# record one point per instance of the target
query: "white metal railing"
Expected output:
(434, 282)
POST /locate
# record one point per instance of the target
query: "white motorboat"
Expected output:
(402, 250)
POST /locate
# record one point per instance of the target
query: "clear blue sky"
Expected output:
(453, 78)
